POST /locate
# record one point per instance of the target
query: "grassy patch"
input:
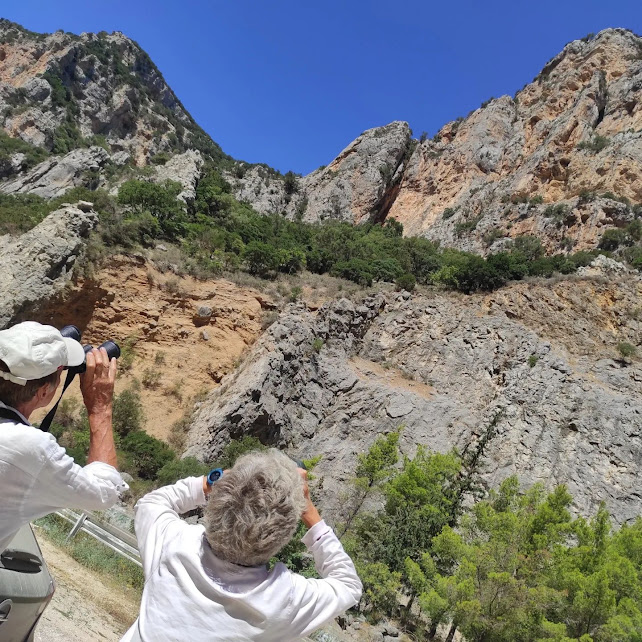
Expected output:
(91, 553)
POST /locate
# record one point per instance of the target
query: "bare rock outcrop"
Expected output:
(445, 366)
(38, 264)
(571, 134)
(358, 186)
(58, 174)
(183, 168)
(263, 189)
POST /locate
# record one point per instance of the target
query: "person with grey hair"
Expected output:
(211, 581)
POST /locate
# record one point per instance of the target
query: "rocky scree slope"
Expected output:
(569, 137)
(444, 366)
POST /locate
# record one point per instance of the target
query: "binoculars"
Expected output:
(72, 332)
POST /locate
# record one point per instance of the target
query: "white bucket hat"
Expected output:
(32, 351)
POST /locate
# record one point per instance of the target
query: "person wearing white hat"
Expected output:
(37, 477)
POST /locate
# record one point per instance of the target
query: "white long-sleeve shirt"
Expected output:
(192, 595)
(37, 477)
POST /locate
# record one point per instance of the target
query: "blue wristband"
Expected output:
(214, 475)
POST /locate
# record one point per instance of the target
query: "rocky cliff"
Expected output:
(555, 161)
(541, 357)
(61, 91)
(560, 160)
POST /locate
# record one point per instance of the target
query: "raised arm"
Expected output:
(97, 386)
(318, 601)
(158, 510)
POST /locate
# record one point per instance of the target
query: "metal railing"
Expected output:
(117, 539)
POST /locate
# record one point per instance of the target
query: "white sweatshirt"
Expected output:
(191, 595)
(37, 477)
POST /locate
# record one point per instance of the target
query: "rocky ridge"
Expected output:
(445, 366)
(59, 89)
(55, 176)
(561, 160)
(572, 138)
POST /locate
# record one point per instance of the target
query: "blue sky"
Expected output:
(292, 83)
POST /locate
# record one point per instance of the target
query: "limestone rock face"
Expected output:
(55, 176)
(568, 408)
(184, 168)
(575, 129)
(264, 190)
(357, 186)
(37, 265)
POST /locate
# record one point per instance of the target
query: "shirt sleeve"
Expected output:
(158, 510)
(61, 483)
(317, 601)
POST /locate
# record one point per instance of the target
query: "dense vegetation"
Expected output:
(513, 567)
(218, 233)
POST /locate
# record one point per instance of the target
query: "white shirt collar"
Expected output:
(25, 420)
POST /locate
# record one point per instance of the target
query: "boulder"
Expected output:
(183, 168)
(37, 265)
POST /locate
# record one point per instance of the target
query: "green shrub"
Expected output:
(261, 259)
(406, 282)
(587, 196)
(528, 246)
(317, 344)
(596, 144)
(356, 270)
(21, 212)
(612, 239)
(386, 269)
(557, 212)
(127, 412)
(148, 454)
(151, 378)
(178, 469)
(159, 159)
(10, 146)
(295, 293)
(532, 360)
(290, 183)
(626, 349)
(466, 226)
(127, 354)
(158, 200)
(492, 235)
(449, 212)
(237, 447)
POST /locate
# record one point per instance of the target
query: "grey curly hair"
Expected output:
(253, 510)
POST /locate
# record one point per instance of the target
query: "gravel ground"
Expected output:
(84, 607)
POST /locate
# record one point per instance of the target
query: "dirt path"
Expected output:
(84, 607)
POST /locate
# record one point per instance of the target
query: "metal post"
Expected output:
(76, 527)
